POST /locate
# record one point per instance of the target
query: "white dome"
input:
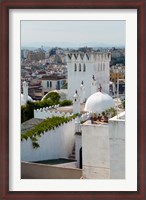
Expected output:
(99, 102)
(23, 101)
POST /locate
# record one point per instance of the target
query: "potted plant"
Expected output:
(99, 117)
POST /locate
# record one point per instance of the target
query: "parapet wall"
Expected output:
(46, 112)
(88, 57)
(48, 172)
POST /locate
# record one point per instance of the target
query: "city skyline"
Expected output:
(73, 33)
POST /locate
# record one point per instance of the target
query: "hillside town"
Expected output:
(46, 70)
(73, 113)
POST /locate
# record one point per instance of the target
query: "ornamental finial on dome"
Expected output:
(100, 88)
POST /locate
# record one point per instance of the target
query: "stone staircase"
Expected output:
(72, 155)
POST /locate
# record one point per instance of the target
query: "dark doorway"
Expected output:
(80, 158)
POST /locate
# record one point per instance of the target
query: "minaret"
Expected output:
(76, 103)
(25, 91)
(93, 85)
(77, 125)
(82, 92)
(114, 88)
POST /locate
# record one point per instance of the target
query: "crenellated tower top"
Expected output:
(88, 57)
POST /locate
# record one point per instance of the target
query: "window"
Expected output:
(47, 83)
(50, 84)
(103, 67)
(75, 69)
(84, 69)
(79, 67)
(98, 67)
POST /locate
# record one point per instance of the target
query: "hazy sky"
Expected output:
(72, 33)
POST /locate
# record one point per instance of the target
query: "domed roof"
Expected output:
(99, 102)
(23, 101)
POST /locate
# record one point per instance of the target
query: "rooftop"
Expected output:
(30, 124)
(52, 77)
(70, 108)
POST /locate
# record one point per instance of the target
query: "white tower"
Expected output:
(25, 91)
(93, 85)
(77, 125)
(82, 92)
(82, 66)
(76, 103)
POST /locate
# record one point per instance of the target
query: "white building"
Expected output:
(100, 147)
(50, 83)
(82, 67)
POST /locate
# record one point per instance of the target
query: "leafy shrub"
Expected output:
(111, 112)
(66, 103)
(54, 96)
(123, 103)
(27, 111)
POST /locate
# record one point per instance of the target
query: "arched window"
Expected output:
(79, 67)
(103, 67)
(50, 84)
(47, 83)
(75, 68)
(84, 68)
(98, 67)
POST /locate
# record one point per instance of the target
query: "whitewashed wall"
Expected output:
(117, 147)
(95, 151)
(54, 144)
(44, 84)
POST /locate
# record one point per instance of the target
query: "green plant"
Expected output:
(111, 112)
(103, 113)
(44, 126)
(123, 103)
(54, 96)
(27, 111)
(66, 103)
